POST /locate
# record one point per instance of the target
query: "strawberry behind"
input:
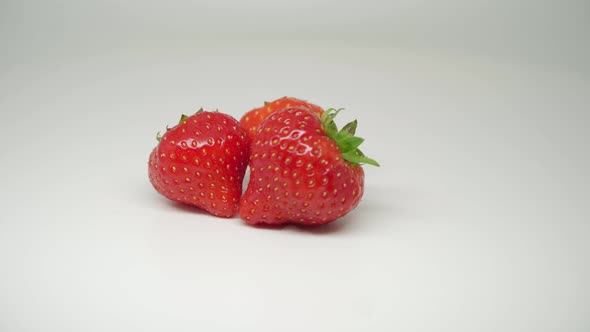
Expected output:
(253, 119)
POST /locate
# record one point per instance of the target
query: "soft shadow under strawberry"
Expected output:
(337, 226)
(187, 208)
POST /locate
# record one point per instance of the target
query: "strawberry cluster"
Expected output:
(303, 170)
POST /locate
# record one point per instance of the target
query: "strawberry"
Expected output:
(201, 162)
(303, 170)
(254, 118)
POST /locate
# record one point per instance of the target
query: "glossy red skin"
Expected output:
(297, 174)
(202, 162)
(252, 120)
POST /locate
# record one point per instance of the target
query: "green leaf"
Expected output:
(347, 131)
(349, 143)
(330, 114)
(328, 122)
(349, 128)
(183, 119)
(367, 160)
(359, 159)
(331, 129)
(333, 114)
(158, 137)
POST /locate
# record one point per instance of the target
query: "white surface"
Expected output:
(476, 221)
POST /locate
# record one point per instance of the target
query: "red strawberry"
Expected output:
(303, 170)
(254, 118)
(201, 162)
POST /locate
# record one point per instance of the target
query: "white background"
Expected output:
(477, 220)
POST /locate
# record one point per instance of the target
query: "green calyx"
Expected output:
(345, 139)
(182, 120)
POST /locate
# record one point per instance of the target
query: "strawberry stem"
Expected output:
(182, 120)
(347, 142)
